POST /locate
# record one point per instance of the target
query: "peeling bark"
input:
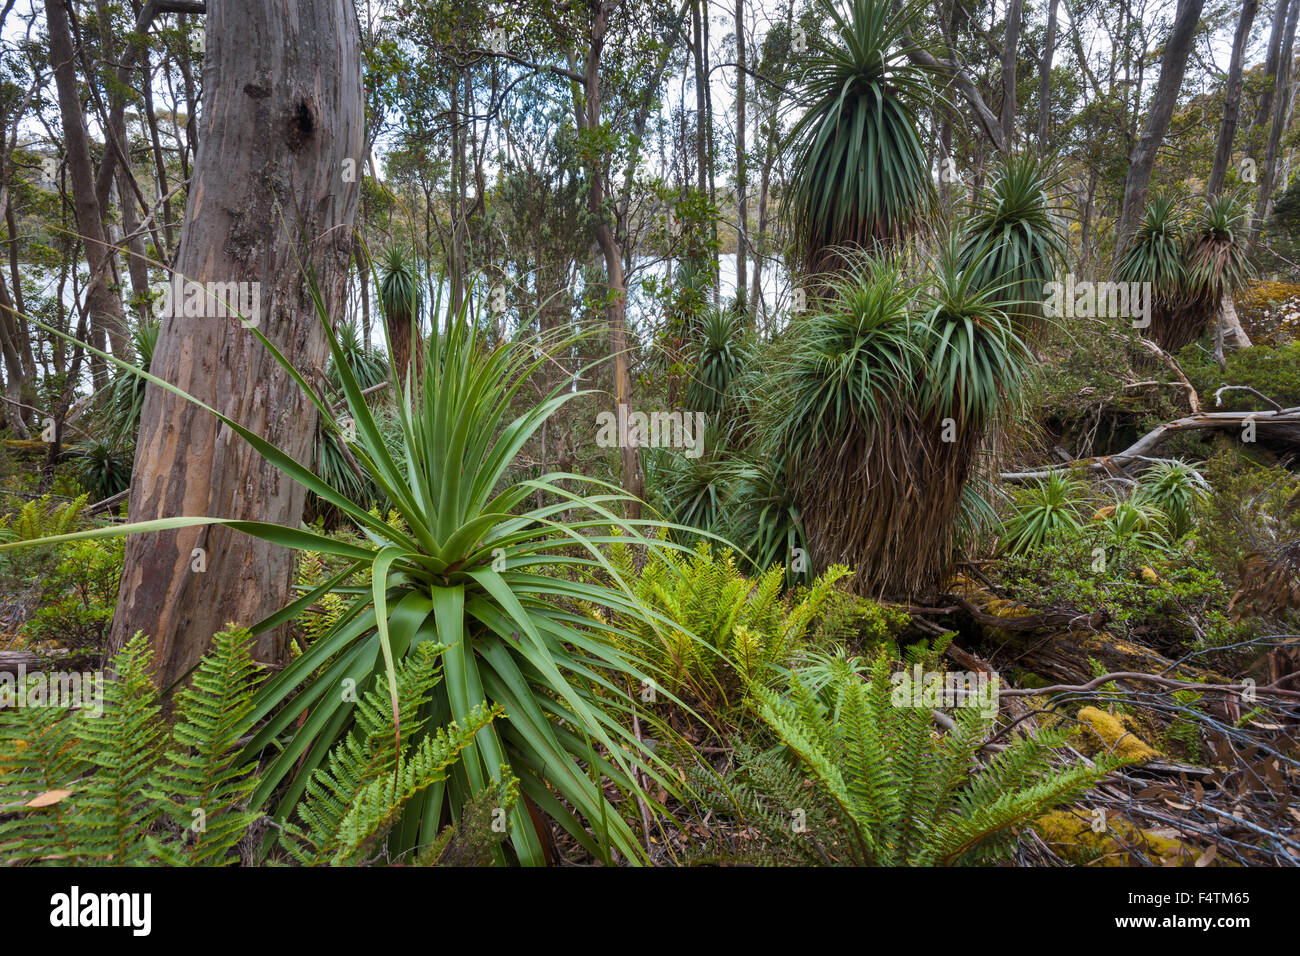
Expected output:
(282, 110)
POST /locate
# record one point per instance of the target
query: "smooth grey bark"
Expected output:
(1282, 100)
(1142, 160)
(1015, 14)
(1231, 98)
(742, 181)
(1265, 109)
(1045, 74)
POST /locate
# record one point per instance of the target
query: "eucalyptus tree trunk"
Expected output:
(1015, 13)
(1045, 76)
(610, 251)
(282, 110)
(1142, 160)
(1283, 91)
(742, 177)
(103, 304)
(1232, 98)
(1265, 108)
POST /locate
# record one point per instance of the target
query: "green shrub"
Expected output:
(78, 597)
(1174, 597)
(1253, 508)
(1274, 372)
(858, 622)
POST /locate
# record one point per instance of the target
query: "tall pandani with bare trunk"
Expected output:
(1013, 241)
(402, 297)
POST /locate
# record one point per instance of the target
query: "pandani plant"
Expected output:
(1013, 239)
(1191, 268)
(401, 297)
(489, 565)
(1217, 262)
(1155, 257)
(843, 425)
(860, 176)
(878, 412)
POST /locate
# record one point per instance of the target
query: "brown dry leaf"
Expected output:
(1206, 858)
(48, 798)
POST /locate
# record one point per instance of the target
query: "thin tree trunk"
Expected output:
(712, 152)
(1015, 13)
(1281, 111)
(106, 313)
(742, 181)
(159, 163)
(282, 110)
(701, 113)
(15, 379)
(1232, 98)
(760, 244)
(1045, 76)
(457, 264)
(137, 265)
(1265, 109)
(16, 290)
(1172, 66)
(630, 457)
(363, 279)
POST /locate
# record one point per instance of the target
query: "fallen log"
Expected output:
(1065, 656)
(11, 661)
(1272, 427)
(1060, 646)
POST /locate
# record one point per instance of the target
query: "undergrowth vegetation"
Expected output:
(886, 561)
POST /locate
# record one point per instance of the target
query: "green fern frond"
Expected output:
(38, 759)
(352, 801)
(202, 784)
(908, 794)
(482, 824)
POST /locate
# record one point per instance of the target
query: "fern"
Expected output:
(85, 788)
(324, 615)
(717, 630)
(41, 518)
(38, 762)
(777, 817)
(116, 787)
(901, 793)
(113, 811)
(355, 798)
(201, 784)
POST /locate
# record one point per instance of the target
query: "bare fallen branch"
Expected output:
(1282, 424)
